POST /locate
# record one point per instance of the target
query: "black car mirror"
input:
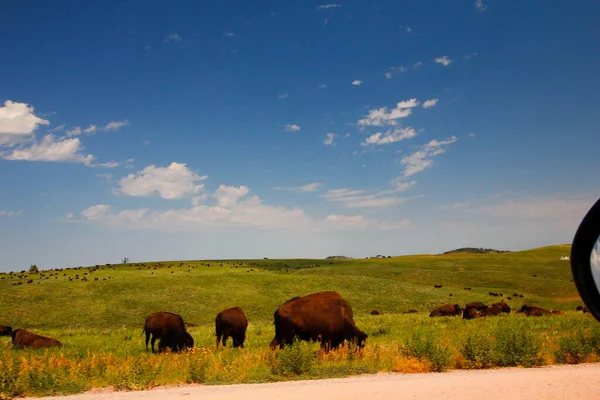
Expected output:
(585, 260)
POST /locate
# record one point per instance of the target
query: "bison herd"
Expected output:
(324, 317)
(478, 309)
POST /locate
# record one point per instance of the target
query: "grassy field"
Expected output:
(100, 320)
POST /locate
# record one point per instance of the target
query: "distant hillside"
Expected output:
(475, 250)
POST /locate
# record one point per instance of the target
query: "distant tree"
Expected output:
(125, 260)
(34, 268)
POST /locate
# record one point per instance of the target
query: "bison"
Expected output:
(446, 310)
(231, 322)
(502, 306)
(470, 313)
(478, 305)
(533, 311)
(323, 316)
(23, 339)
(375, 312)
(490, 311)
(170, 329)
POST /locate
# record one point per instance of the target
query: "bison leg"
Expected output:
(152, 343)
(218, 340)
(147, 339)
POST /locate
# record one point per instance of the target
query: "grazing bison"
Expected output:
(583, 309)
(170, 329)
(323, 316)
(375, 312)
(447, 310)
(533, 311)
(478, 305)
(23, 339)
(231, 322)
(490, 311)
(470, 313)
(502, 306)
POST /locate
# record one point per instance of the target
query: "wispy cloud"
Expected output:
(471, 55)
(392, 70)
(310, 187)
(328, 6)
(383, 117)
(472, 134)
(430, 103)
(422, 159)
(357, 82)
(444, 60)
(479, 5)
(390, 136)
(173, 37)
(92, 129)
(292, 128)
(418, 64)
(329, 139)
(4, 213)
(352, 198)
(455, 206)
(283, 96)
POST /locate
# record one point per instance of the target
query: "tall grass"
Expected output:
(397, 343)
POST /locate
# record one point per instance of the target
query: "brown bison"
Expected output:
(170, 329)
(490, 311)
(375, 312)
(231, 322)
(502, 306)
(470, 313)
(23, 339)
(478, 305)
(533, 311)
(447, 310)
(323, 316)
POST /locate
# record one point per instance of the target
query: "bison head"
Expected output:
(188, 340)
(274, 343)
(5, 330)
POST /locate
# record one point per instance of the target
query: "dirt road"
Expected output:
(548, 383)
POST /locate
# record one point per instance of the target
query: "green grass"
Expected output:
(388, 285)
(100, 321)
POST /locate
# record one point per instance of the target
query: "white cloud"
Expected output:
(322, 86)
(420, 160)
(57, 128)
(10, 213)
(110, 164)
(115, 125)
(18, 122)
(310, 187)
(417, 64)
(91, 129)
(400, 185)
(355, 221)
(283, 96)
(328, 6)
(49, 149)
(76, 131)
(292, 128)
(408, 29)
(468, 56)
(391, 136)
(172, 182)
(359, 199)
(479, 5)
(173, 37)
(472, 134)
(329, 139)
(444, 60)
(455, 206)
(381, 116)
(230, 34)
(70, 216)
(357, 82)
(430, 103)
(388, 75)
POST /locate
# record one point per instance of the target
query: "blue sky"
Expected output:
(161, 130)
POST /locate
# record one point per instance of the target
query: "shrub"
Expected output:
(296, 359)
(478, 350)
(517, 346)
(574, 349)
(423, 346)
